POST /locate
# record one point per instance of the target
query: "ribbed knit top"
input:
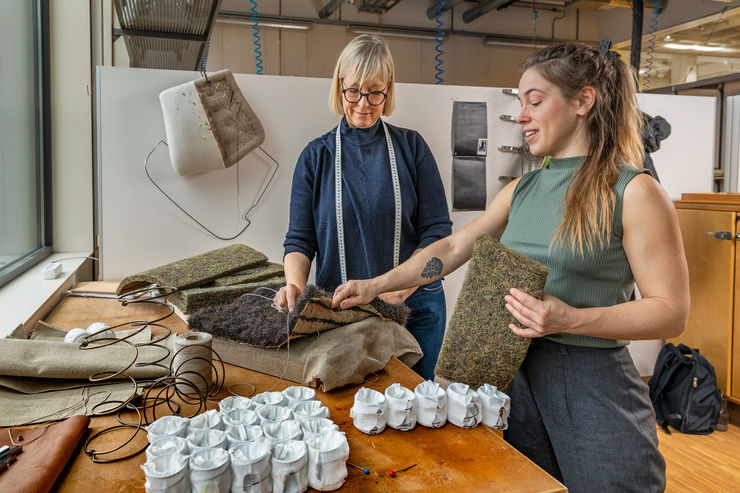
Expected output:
(600, 278)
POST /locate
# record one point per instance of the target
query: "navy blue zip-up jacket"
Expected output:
(367, 199)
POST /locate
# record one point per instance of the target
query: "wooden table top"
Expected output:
(447, 458)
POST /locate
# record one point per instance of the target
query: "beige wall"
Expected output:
(71, 98)
(313, 53)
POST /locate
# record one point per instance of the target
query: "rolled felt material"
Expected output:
(479, 347)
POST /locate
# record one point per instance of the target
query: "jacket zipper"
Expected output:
(694, 384)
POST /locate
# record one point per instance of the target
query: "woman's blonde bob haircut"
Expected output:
(364, 58)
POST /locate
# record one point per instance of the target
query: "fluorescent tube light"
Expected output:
(244, 20)
(491, 41)
(399, 33)
(682, 46)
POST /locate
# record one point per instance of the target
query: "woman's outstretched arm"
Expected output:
(433, 262)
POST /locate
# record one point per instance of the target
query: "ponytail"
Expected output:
(613, 125)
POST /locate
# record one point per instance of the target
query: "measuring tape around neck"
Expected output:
(338, 200)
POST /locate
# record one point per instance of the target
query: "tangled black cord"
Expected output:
(167, 387)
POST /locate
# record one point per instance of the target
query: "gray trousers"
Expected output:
(584, 416)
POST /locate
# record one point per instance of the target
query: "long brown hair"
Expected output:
(614, 127)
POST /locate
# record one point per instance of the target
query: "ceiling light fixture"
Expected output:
(399, 33)
(514, 42)
(244, 20)
(680, 46)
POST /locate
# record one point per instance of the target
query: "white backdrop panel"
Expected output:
(140, 229)
(685, 160)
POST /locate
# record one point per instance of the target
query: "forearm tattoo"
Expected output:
(432, 269)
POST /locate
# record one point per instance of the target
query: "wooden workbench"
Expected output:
(447, 459)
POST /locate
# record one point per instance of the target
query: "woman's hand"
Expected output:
(397, 297)
(285, 298)
(539, 318)
(353, 293)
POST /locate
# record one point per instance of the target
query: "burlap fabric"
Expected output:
(44, 378)
(331, 359)
(479, 347)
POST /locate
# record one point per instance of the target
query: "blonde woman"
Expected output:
(369, 206)
(579, 407)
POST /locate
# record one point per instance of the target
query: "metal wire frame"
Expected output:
(166, 387)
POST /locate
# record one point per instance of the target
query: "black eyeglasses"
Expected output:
(374, 98)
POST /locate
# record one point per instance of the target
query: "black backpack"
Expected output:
(684, 391)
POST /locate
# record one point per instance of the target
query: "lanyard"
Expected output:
(338, 200)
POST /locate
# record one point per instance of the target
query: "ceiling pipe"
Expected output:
(329, 8)
(636, 34)
(540, 3)
(371, 25)
(482, 8)
(446, 5)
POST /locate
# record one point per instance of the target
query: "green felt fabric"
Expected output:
(190, 300)
(478, 346)
(197, 270)
(252, 274)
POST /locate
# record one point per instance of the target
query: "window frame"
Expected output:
(43, 150)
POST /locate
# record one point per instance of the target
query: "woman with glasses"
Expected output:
(366, 196)
(601, 224)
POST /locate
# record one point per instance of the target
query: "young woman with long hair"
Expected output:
(601, 225)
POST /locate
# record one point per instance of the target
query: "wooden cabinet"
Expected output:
(711, 236)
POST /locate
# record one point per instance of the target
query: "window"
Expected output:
(25, 143)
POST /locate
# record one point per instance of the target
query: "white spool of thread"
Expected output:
(193, 356)
(75, 336)
(99, 330)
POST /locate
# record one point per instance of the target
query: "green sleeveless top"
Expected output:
(600, 278)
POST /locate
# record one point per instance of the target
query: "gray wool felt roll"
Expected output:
(479, 347)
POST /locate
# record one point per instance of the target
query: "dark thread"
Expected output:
(432, 269)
